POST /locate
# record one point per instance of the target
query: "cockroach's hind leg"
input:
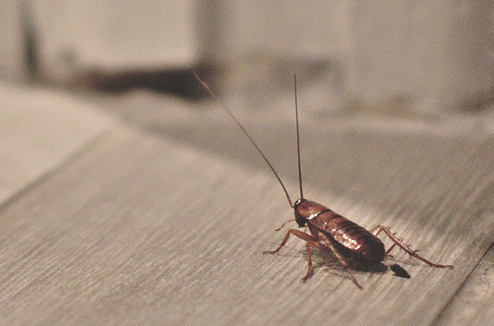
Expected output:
(376, 230)
(389, 250)
(404, 247)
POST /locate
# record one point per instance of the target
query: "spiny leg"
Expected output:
(375, 231)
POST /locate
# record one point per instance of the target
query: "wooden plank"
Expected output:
(39, 129)
(472, 304)
(144, 230)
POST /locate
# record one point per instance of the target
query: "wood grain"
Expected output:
(164, 220)
(472, 304)
(158, 229)
(39, 129)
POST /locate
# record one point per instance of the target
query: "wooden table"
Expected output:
(143, 209)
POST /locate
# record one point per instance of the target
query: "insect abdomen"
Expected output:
(360, 243)
(364, 246)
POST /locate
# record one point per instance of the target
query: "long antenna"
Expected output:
(298, 137)
(206, 86)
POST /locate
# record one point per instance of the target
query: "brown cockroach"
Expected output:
(329, 231)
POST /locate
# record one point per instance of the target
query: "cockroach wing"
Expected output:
(361, 244)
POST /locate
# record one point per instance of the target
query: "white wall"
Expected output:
(422, 55)
(11, 41)
(437, 53)
(115, 35)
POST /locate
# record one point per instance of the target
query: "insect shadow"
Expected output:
(327, 260)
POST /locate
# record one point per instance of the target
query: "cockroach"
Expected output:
(329, 231)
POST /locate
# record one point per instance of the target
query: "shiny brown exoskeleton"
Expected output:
(330, 231)
(343, 238)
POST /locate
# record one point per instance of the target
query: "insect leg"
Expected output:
(309, 262)
(389, 250)
(312, 242)
(300, 234)
(282, 225)
(375, 231)
(331, 248)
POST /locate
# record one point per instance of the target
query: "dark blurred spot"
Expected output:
(179, 82)
(399, 271)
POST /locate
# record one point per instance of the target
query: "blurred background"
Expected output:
(387, 57)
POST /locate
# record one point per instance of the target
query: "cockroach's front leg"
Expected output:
(310, 242)
(375, 231)
(300, 234)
